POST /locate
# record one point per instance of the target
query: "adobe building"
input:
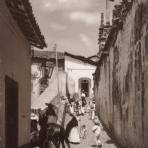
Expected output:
(46, 79)
(41, 71)
(79, 74)
(43, 63)
(19, 31)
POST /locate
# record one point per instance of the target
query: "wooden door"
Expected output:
(11, 113)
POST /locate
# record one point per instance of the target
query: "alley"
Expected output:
(62, 61)
(89, 142)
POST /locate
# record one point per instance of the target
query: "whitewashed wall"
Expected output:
(77, 69)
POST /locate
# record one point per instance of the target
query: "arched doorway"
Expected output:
(84, 84)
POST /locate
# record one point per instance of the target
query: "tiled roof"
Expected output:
(81, 58)
(47, 54)
(22, 13)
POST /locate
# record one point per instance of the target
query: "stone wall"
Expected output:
(121, 80)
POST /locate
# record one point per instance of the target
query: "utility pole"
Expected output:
(56, 56)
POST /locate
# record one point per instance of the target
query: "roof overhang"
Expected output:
(22, 13)
(81, 58)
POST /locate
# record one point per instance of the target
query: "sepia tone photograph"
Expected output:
(74, 74)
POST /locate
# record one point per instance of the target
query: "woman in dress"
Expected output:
(72, 131)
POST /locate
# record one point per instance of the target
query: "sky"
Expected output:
(71, 24)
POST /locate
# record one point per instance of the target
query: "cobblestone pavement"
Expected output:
(89, 142)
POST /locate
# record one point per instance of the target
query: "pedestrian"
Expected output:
(83, 95)
(93, 108)
(83, 105)
(83, 131)
(34, 136)
(72, 131)
(88, 107)
(71, 108)
(83, 98)
(77, 107)
(97, 132)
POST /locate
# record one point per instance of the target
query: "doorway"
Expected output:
(84, 85)
(11, 113)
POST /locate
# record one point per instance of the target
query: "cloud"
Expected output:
(49, 5)
(72, 24)
(57, 27)
(86, 40)
(65, 5)
(86, 17)
(63, 1)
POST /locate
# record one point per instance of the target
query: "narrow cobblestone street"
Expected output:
(89, 142)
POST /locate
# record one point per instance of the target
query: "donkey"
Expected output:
(51, 133)
(56, 135)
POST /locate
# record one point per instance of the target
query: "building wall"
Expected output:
(121, 88)
(56, 83)
(15, 63)
(77, 69)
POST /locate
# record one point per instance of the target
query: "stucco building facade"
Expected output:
(79, 74)
(15, 74)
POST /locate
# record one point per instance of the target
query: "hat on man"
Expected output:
(96, 121)
(34, 117)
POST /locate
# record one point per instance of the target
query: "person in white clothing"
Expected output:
(72, 131)
(83, 94)
(93, 108)
(97, 132)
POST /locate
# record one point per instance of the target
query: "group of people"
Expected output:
(44, 127)
(81, 106)
(76, 109)
(45, 132)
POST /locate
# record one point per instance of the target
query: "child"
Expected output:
(83, 131)
(97, 131)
